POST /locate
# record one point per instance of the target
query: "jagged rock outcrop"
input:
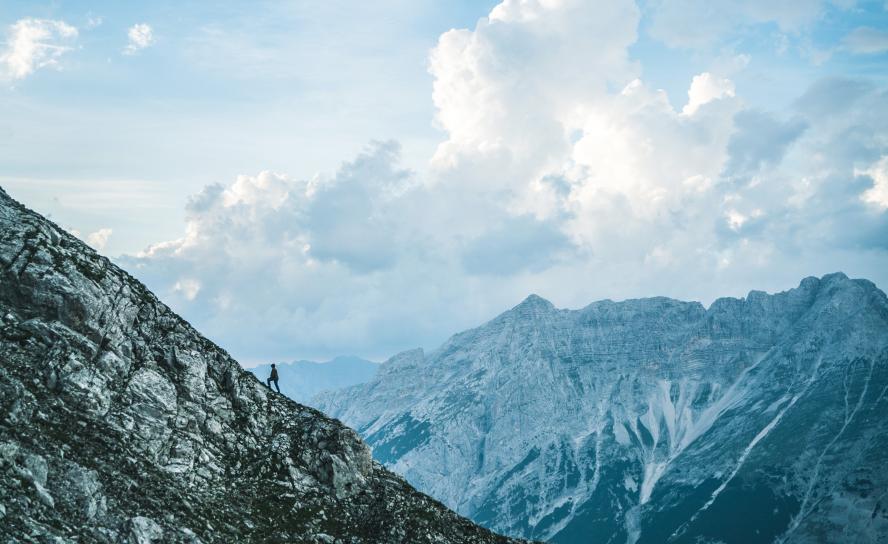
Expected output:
(121, 423)
(757, 420)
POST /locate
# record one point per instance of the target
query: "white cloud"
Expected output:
(188, 287)
(878, 193)
(33, 44)
(866, 40)
(560, 172)
(300, 262)
(735, 219)
(544, 59)
(99, 239)
(140, 36)
(704, 89)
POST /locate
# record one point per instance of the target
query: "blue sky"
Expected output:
(305, 180)
(222, 90)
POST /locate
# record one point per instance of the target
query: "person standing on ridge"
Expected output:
(273, 378)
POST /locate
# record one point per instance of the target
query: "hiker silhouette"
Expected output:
(273, 378)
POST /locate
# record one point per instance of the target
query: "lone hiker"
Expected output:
(273, 378)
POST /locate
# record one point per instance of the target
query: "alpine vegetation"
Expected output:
(120, 423)
(756, 420)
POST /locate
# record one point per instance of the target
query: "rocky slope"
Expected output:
(120, 423)
(762, 419)
(303, 380)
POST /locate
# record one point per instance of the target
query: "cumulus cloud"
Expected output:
(99, 238)
(298, 261)
(832, 96)
(878, 193)
(561, 172)
(866, 40)
(32, 44)
(140, 36)
(353, 217)
(812, 197)
(546, 60)
(519, 244)
(704, 89)
(760, 140)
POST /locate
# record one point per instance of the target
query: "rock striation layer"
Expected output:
(121, 423)
(757, 420)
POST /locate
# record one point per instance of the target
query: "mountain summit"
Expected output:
(534, 303)
(121, 423)
(757, 420)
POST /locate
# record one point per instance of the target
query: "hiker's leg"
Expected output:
(268, 383)
(276, 386)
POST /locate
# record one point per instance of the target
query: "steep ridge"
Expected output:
(762, 419)
(121, 423)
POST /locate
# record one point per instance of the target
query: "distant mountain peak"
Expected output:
(834, 276)
(534, 303)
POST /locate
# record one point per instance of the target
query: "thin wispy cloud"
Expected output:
(32, 44)
(695, 24)
(94, 21)
(866, 40)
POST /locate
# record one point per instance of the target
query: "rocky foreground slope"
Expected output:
(757, 420)
(121, 423)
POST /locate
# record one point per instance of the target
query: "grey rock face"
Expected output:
(143, 530)
(120, 423)
(762, 419)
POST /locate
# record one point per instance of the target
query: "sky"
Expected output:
(304, 180)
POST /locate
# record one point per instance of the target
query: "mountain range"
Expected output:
(756, 420)
(760, 419)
